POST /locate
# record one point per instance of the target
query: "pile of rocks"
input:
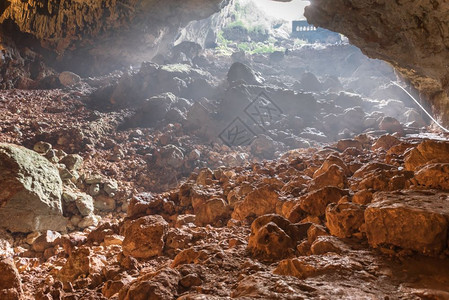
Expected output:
(311, 214)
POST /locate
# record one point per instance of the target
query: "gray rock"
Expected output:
(91, 220)
(31, 191)
(241, 72)
(104, 203)
(72, 161)
(94, 189)
(85, 204)
(111, 187)
(42, 147)
(170, 155)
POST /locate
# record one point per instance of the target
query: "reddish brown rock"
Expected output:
(315, 265)
(362, 197)
(427, 152)
(433, 176)
(331, 160)
(410, 220)
(81, 262)
(334, 176)
(10, 284)
(269, 239)
(385, 142)
(344, 219)
(205, 177)
(45, 240)
(371, 167)
(213, 212)
(315, 203)
(145, 236)
(162, 284)
(112, 287)
(326, 243)
(261, 201)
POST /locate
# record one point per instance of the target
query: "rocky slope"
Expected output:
(411, 35)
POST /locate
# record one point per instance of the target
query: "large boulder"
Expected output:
(414, 220)
(145, 237)
(31, 191)
(270, 238)
(433, 176)
(344, 219)
(427, 152)
(261, 201)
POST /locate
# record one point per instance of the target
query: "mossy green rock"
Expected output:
(30, 191)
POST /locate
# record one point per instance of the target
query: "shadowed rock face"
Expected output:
(127, 30)
(412, 35)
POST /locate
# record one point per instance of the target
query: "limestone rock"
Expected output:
(410, 220)
(145, 236)
(10, 284)
(154, 110)
(72, 161)
(344, 219)
(104, 203)
(85, 204)
(31, 191)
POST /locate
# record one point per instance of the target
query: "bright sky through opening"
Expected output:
(289, 11)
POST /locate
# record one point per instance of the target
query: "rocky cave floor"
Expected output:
(340, 194)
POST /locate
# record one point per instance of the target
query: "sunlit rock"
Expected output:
(411, 220)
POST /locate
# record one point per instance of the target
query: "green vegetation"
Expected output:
(249, 32)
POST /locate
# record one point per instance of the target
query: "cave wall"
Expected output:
(411, 35)
(101, 32)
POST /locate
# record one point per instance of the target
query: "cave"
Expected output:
(224, 149)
